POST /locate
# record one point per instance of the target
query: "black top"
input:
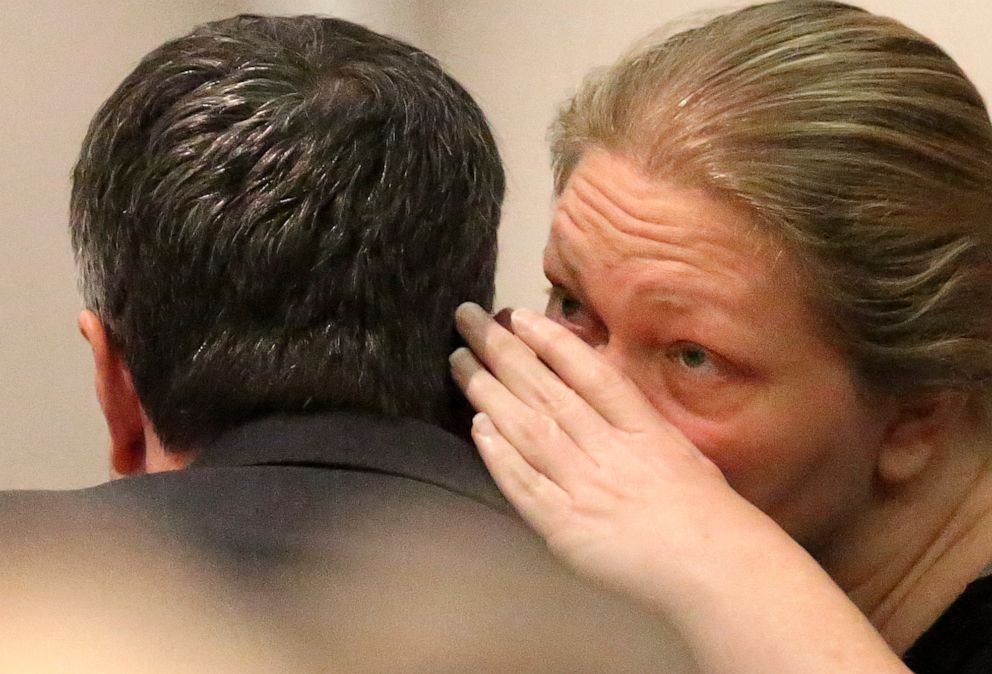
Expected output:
(960, 642)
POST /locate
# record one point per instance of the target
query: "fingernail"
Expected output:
(483, 425)
(459, 355)
(503, 317)
(469, 311)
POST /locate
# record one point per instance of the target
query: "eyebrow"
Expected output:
(687, 305)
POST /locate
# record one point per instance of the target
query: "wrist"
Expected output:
(746, 597)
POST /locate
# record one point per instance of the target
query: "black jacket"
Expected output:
(338, 531)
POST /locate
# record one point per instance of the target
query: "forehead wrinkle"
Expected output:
(722, 292)
(609, 209)
(639, 208)
(613, 196)
(690, 288)
(680, 252)
(616, 187)
(649, 288)
(646, 275)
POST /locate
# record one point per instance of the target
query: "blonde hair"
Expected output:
(857, 140)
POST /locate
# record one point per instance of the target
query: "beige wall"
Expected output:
(60, 59)
(410, 20)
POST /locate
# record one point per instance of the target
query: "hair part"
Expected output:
(280, 215)
(856, 141)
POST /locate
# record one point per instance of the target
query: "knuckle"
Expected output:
(559, 400)
(533, 482)
(541, 429)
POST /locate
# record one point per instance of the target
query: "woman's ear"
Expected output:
(118, 399)
(917, 433)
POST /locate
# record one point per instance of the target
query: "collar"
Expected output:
(353, 440)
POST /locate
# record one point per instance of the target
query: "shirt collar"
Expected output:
(358, 441)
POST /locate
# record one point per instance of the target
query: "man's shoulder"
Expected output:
(254, 514)
(316, 537)
(402, 576)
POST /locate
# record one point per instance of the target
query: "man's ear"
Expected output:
(918, 432)
(118, 399)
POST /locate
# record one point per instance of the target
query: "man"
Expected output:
(275, 219)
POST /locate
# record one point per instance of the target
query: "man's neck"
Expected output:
(150, 456)
(916, 552)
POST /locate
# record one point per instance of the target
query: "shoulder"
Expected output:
(456, 584)
(231, 509)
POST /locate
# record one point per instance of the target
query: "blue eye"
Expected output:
(691, 356)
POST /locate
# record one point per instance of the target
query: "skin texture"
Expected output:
(626, 499)
(706, 314)
(684, 430)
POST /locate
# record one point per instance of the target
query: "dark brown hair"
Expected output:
(280, 215)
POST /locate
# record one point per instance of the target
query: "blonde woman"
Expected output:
(760, 404)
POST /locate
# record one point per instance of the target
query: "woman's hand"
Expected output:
(582, 454)
(625, 498)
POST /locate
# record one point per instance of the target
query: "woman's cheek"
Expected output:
(745, 449)
(705, 403)
(708, 435)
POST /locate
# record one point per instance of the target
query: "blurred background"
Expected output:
(60, 59)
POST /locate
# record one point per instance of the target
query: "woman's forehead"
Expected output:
(601, 223)
(671, 250)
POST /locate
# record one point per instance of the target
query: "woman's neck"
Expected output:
(920, 545)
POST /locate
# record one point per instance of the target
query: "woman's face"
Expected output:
(707, 315)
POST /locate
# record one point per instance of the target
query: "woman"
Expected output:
(760, 403)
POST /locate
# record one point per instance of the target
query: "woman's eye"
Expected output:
(562, 304)
(569, 306)
(575, 315)
(692, 356)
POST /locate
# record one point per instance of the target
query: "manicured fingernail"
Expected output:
(469, 312)
(503, 317)
(460, 356)
(483, 425)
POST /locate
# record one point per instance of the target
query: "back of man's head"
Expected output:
(281, 215)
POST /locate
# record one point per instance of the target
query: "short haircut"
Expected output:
(280, 215)
(856, 141)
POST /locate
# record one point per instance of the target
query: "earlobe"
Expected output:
(118, 399)
(917, 434)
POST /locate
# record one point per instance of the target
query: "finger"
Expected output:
(538, 439)
(580, 367)
(515, 365)
(539, 501)
(480, 329)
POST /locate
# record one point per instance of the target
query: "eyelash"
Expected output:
(577, 320)
(557, 297)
